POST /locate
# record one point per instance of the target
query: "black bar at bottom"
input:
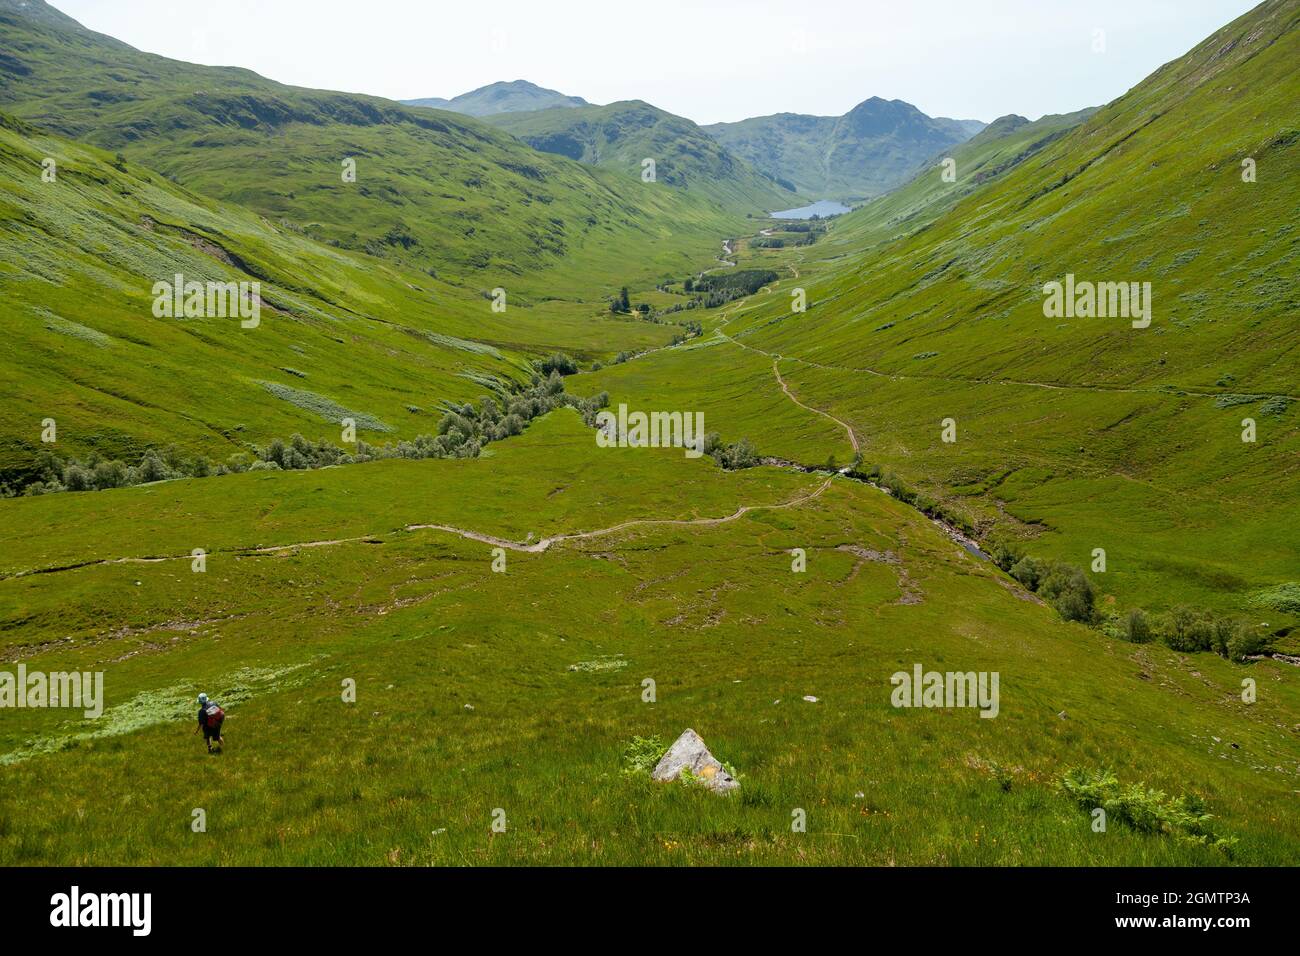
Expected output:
(328, 906)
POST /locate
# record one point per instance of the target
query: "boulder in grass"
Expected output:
(689, 753)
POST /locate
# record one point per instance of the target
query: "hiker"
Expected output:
(211, 717)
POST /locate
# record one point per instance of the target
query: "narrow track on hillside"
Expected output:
(976, 380)
(973, 380)
(776, 371)
(853, 439)
(527, 547)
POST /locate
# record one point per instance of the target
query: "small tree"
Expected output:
(1028, 571)
(1187, 630)
(1068, 590)
(77, 478)
(1137, 627)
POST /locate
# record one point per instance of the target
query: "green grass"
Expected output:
(411, 775)
(524, 691)
(1072, 434)
(78, 260)
(621, 136)
(433, 189)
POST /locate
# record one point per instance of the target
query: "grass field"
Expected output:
(643, 591)
(1071, 434)
(466, 700)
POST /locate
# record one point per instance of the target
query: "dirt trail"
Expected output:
(535, 547)
(853, 439)
(776, 359)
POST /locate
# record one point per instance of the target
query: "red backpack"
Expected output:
(215, 715)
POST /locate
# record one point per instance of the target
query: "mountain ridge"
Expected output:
(514, 96)
(430, 186)
(625, 134)
(867, 151)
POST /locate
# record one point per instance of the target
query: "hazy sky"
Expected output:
(709, 60)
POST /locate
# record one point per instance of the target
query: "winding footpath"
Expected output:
(535, 547)
(848, 430)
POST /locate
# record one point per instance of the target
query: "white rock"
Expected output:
(689, 753)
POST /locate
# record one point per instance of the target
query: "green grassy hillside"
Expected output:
(1084, 433)
(875, 146)
(520, 691)
(339, 333)
(621, 136)
(433, 190)
(993, 152)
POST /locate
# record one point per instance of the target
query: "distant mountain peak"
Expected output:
(874, 146)
(503, 96)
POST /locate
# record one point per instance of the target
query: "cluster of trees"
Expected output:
(736, 455)
(746, 281)
(1182, 629)
(718, 289)
(462, 432)
(1062, 585)
(1067, 589)
(1187, 629)
(558, 362)
(812, 231)
(621, 304)
(690, 329)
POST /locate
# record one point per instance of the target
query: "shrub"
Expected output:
(1284, 597)
(110, 474)
(1245, 641)
(1005, 555)
(152, 468)
(641, 754)
(1137, 626)
(558, 362)
(238, 462)
(274, 453)
(1028, 571)
(1068, 590)
(78, 478)
(1186, 630)
(736, 455)
(455, 424)
(1145, 810)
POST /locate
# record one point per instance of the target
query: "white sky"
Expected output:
(709, 60)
